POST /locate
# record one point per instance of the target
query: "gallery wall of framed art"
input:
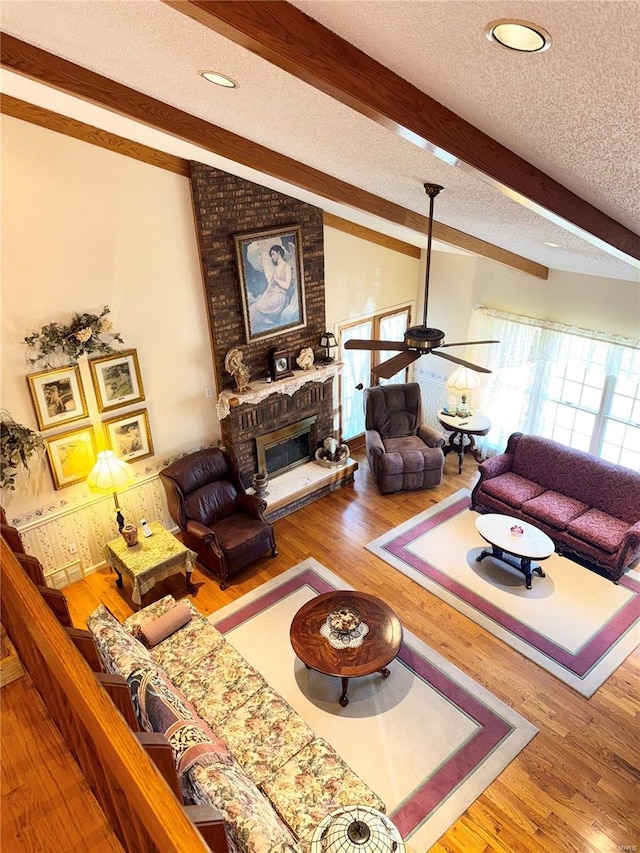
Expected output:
(59, 399)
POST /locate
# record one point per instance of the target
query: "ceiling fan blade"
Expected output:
(375, 345)
(457, 361)
(467, 343)
(395, 364)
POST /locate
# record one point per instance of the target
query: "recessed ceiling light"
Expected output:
(553, 245)
(518, 35)
(219, 79)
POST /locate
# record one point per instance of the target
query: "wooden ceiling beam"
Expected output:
(286, 37)
(51, 70)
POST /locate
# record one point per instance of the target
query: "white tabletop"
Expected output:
(533, 543)
(466, 423)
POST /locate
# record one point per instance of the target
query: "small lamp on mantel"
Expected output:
(109, 474)
(462, 381)
(356, 829)
(328, 341)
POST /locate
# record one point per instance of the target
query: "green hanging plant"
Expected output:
(83, 336)
(18, 444)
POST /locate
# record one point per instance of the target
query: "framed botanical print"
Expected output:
(116, 380)
(129, 436)
(271, 281)
(71, 455)
(58, 396)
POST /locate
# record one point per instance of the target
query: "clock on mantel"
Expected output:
(279, 362)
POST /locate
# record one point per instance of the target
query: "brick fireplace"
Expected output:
(268, 410)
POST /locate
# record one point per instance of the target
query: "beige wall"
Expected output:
(81, 228)
(362, 278)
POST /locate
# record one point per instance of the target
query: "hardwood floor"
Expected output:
(574, 787)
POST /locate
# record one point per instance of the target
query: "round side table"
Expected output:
(462, 430)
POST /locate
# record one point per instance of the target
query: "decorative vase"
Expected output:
(260, 481)
(130, 535)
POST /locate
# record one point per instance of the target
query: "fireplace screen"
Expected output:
(286, 448)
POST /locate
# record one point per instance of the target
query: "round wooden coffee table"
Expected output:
(529, 543)
(378, 646)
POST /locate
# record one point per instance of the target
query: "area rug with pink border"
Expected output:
(575, 623)
(428, 739)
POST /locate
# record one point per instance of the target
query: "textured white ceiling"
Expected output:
(572, 111)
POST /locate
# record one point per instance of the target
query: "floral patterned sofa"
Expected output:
(589, 507)
(237, 745)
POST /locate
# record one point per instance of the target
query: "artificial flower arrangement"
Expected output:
(83, 336)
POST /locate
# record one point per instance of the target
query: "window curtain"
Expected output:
(513, 395)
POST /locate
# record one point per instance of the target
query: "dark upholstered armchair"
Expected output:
(223, 524)
(403, 453)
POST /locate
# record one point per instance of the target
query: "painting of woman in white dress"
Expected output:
(271, 281)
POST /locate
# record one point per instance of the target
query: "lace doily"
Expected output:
(343, 629)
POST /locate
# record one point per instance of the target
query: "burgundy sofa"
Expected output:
(589, 507)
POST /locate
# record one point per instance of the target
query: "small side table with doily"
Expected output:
(462, 429)
(346, 634)
(150, 560)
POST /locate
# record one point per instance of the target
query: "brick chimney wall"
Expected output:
(224, 206)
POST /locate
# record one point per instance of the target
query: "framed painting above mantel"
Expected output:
(271, 277)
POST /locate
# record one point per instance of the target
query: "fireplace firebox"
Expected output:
(286, 448)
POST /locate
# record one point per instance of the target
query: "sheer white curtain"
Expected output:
(524, 366)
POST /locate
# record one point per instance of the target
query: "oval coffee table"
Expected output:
(378, 648)
(532, 544)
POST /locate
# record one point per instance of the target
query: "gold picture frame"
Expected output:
(57, 396)
(116, 380)
(129, 436)
(71, 455)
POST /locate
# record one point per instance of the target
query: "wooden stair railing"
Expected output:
(142, 809)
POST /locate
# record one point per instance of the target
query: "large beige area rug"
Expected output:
(573, 622)
(427, 739)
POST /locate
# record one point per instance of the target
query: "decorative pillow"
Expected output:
(152, 611)
(119, 651)
(164, 626)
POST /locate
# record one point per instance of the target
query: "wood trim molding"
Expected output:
(369, 234)
(288, 38)
(50, 70)
(94, 135)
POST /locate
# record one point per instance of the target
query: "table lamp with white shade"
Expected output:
(109, 474)
(462, 381)
(356, 829)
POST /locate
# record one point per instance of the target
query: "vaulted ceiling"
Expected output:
(355, 105)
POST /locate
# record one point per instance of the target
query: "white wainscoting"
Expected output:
(70, 542)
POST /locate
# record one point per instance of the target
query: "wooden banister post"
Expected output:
(159, 751)
(120, 695)
(210, 824)
(84, 642)
(56, 602)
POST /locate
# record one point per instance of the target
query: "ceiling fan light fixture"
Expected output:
(219, 79)
(522, 36)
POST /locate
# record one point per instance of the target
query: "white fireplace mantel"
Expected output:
(260, 390)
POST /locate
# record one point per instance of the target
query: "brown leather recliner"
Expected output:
(223, 524)
(403, 453)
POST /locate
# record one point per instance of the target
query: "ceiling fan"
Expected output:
(418, 340)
